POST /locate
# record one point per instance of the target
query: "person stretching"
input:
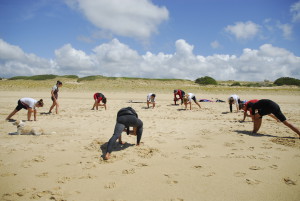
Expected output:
(151, 100)
(126, 117)
(247, 107)
(180, 93)
(268, 107)
(99, 97)
(188, 100)
(28, 104)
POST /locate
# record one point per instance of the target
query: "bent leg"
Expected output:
(292, 127)
(117, 133)
(256, 123)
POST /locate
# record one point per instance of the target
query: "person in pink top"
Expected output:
(28, 104)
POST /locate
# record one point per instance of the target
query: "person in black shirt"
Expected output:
(268, 107)
(126, 117)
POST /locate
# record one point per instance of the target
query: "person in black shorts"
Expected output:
(126, 117)
(267, 107)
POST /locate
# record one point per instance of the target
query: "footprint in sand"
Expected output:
(252, 181)
(289, 181)
(43, 175)
(130, 171)
(239, 174)
(110, 185)
(273, 166)
(255, 168)
(209, 174)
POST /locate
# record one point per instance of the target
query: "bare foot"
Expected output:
(107, 156)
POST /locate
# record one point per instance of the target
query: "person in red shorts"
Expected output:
(247, 107)
(98, 97)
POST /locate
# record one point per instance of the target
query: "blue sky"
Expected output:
(249, 40)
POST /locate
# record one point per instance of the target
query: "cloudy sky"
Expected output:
(245, 40)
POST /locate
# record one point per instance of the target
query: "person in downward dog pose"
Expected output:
(188, 100)
(98, 97)
(268, 107)
(180, 93)
(234, 99)
(28, 104)
(126, 117)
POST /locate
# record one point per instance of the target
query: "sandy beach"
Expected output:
(198, 154)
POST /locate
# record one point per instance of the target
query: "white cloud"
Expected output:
(295, 10)
(243, 30)
(287, 30)
(131, 18)
(14, 61)
(215, 44)
(118, 59)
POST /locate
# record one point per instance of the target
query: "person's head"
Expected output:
(185, 99)
(59, 83)
(153, 95)
(241, 105)
(104, 100)
(40, 103)
(231, 100)
(175, 91)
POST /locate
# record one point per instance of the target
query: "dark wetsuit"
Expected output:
(126, 117)
(265, 107)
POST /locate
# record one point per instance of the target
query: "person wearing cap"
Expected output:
(98, 97)
(188, 100)
(180, 93)
(54, 96)
(268, 107)
(28, 104)
(126, 117)
(151, 99)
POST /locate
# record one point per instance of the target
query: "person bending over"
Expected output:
(126, 117)
(188, 100)
(28, 104)
(180, 93)
(98, 97)
(268, 107)
(151, 100)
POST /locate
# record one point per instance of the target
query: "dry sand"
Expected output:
(202, 154)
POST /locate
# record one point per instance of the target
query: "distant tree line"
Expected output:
(279, 82)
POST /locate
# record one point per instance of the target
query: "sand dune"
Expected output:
(202, 154)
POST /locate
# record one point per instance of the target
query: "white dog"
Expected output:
(23, 129)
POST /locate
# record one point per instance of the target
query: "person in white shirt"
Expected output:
(28, 104)
(54, 96)
(151, 99)
(234, 99)
(188, 100)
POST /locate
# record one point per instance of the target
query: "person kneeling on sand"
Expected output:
(126, 117)
(268, 107)
(151, 100)
(188, 100)
(99, 97)
(28, 104)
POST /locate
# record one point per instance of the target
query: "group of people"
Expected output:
(127, 117)
(259, 108)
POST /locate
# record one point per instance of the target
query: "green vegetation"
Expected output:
(34, 77)
(206, 81)
(287, 81)
(236, 84)
(90, 78)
